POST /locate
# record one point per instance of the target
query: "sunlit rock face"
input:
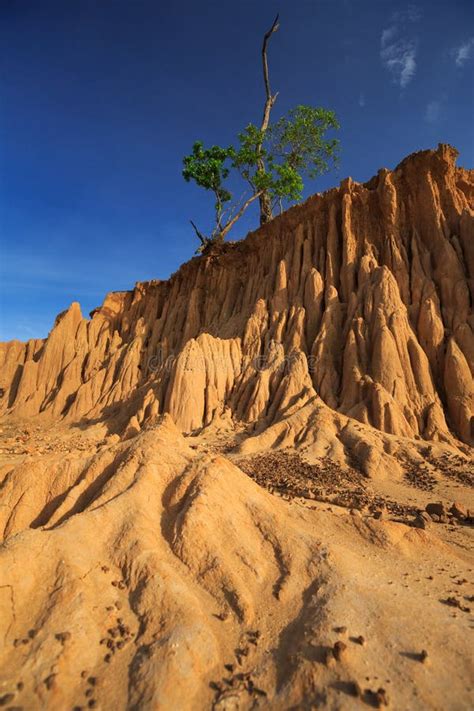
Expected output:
(250, 486)
(360, 297)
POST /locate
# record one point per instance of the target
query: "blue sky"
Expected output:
(100, 100)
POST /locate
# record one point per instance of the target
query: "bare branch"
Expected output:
(203, 238)
(270, 100)
(232, 222)
(265, 202)
(219, 209)
(229, 213)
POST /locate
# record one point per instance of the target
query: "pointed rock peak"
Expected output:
(71, 314)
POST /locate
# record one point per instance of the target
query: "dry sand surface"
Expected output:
(154, 573)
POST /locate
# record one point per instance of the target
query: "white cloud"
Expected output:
(361, 100)
(398, 46)
(463, 53)
(399, 57)
(387, 35)
(407, 65)
(432, 112)
(411, 14)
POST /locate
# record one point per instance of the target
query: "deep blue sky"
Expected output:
(100, 100)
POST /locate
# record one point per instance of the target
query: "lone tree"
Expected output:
(271, 159)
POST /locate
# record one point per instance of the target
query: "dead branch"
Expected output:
(203, 238)
(265, 202)
(270, 100)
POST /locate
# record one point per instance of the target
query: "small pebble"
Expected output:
(50, 681)
(381, 697)
(354, 689)
(338, 650)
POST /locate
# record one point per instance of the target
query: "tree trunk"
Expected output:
(266, 213)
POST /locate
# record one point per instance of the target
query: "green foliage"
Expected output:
(249, 151)
(287, 184)
(206, 166)
(273, 161)
(299, 140)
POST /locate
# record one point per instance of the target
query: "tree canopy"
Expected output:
(272, 161)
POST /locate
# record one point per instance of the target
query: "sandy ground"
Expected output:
(224, 593)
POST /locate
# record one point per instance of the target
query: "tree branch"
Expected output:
(203, 238)
(270, 100)
(231, 210)
(232, 222)
(219, 209)
(265, 203)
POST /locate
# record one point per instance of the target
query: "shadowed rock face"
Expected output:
(360, 297)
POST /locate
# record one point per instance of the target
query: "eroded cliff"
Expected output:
(360, 298)
(146, 570)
